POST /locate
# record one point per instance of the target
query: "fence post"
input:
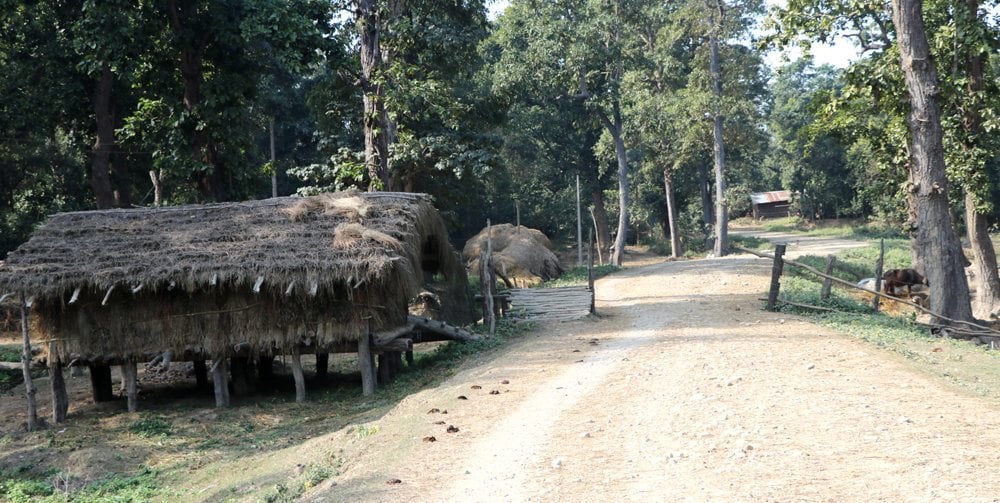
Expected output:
(878, 274)
(772, 296)
(824, 293)
(590, 273)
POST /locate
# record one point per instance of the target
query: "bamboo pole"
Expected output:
(29, 386)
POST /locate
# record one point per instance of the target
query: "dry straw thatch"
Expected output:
(520, 254)
(323, 270)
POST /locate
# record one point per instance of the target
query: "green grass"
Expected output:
(577, 276)
(10, 352)
(150, 426)
(58, 487)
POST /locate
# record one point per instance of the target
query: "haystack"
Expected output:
(260, 277)
(520, 255)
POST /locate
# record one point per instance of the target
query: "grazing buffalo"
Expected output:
(902, 278)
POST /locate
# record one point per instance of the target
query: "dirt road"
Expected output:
(683, 390)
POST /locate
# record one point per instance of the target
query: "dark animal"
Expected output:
(902, 278)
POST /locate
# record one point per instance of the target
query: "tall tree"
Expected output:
(935, 237)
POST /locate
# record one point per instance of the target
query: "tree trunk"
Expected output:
(984, 262)
(376, 120)
(675, 231)
(100, 177)
(936, 241)
(192, 44)
(707, 215)
(721, 212)
(614, 127)
(600, 217)
(987, 298)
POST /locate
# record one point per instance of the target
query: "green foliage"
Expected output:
(141, 486)
(11, 352)
(577, 276)
(750, 243)
(149, 426)
(10, 378)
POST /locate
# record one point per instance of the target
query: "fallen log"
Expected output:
(449, 332)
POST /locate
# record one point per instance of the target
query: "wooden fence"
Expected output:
(940, 324)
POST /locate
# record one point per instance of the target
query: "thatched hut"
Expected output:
(520, 255)
(279, 276)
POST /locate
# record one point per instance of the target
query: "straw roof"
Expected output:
(271, 273)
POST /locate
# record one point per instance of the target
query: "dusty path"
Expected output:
(684, 390)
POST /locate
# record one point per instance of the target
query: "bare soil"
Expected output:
(683, 389)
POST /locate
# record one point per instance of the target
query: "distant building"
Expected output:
(773, 204)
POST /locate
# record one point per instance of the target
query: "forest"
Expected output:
(666, 113)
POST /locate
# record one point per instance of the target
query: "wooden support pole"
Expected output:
(878, 274)
(100, 383)
(298, 375)
(384, 372)
(29, 386)
(242, 375)
(590, 274)
(396, 362)
(824, 292)
(772, 296)
(366, 365)
(322, 366)
(220, 381)
(130, 373)
(265, 370)
(201, 374)
(60, 399)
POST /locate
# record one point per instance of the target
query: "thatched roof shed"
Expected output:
(263, 275)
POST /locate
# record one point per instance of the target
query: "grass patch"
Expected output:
(10, 352)
(54, 486)
(150, 426)
(577, 276)
(750, 242)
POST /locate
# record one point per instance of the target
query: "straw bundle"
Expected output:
(521, 255)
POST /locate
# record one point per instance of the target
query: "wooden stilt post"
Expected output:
(772, 295)
(130, 372)
(220, 381)
(298, 375)
(396, 362)
(384, 372)
(590, 274)
(265, 370)
(29, 386)
(201, 374)
(366, 365)
(60, 399)
(322, 366)
(242, 375)
(824, 293)
(100, 382)
(878, 274)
